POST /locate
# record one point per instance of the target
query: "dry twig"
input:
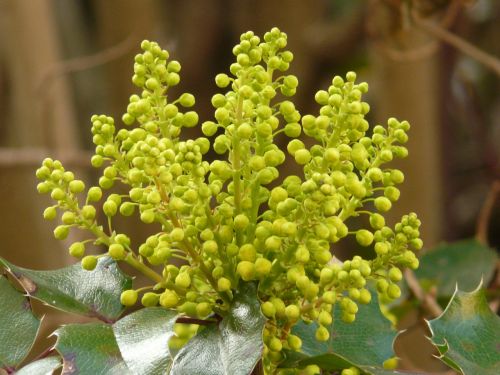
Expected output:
(428, 301)
(485, 213)
(84, 62)
(482, 225)
(462, 45)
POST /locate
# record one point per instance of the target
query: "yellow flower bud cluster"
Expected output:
(229, 220)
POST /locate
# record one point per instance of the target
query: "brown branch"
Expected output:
(462, 45)
(451, 13)
(428, 301)
(425, 50)
(50, 350)
(485, 213)
(30, 157)
(84, 62)
(258, 369)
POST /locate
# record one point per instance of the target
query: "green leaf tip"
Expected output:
(73, 289)
(466, 334)
(18, 326)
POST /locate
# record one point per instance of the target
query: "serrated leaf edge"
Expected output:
(443, 356)
(91, 313)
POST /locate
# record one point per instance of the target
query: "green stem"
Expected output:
(254, 195)
(188, 248)
(130, 258)
(142, 268)
(237, 168)
(348, 210)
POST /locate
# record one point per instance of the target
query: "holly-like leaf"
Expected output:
(365, 343)
(467, 334)
(143, 340)
(93, 293)
(381, 371)
(18, 325)
(45, 366)
(466, 263)
(231, 347)
(89, 349)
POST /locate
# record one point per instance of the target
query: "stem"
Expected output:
(141, 267)
(254, 195)
(237, 169)
(258, 369)
(188, 248)
(45, 353)
(130, 258)
(462, 45)
(428, 302)
(310, 305)
(485, 213)
(349, 209)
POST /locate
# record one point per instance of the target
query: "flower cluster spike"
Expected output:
(221, 218)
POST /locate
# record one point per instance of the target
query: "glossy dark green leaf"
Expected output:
(90, 349)
(232, 347)
(467, 334)
(465, 263)
(18, 325)
(365, 343)
(93, 293)
(381, 371)
(143, 340)
(45, 366)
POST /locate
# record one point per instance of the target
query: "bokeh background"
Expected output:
(431, 62)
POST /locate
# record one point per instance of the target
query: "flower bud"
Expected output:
(322, 334)
(61, 232)
(150, 299)
(169, 299)
(268, 309)
(393, 291)
(382, 204)
(50, 213)
(364, 237)
(129, 297)
(89, 262)
(246, 270)
(223, 284)
(77, 249)
(116, 251)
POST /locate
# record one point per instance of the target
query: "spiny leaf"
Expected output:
(143, 339)
(45, 366)
(381, 371)
(467, 334)
(232, 347)
(466, 264)
(93, 293)
(89, 349)
(18, 325)
(365, 343)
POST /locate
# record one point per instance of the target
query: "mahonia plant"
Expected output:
(222, 220)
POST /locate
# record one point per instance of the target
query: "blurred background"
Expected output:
(431, 62)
